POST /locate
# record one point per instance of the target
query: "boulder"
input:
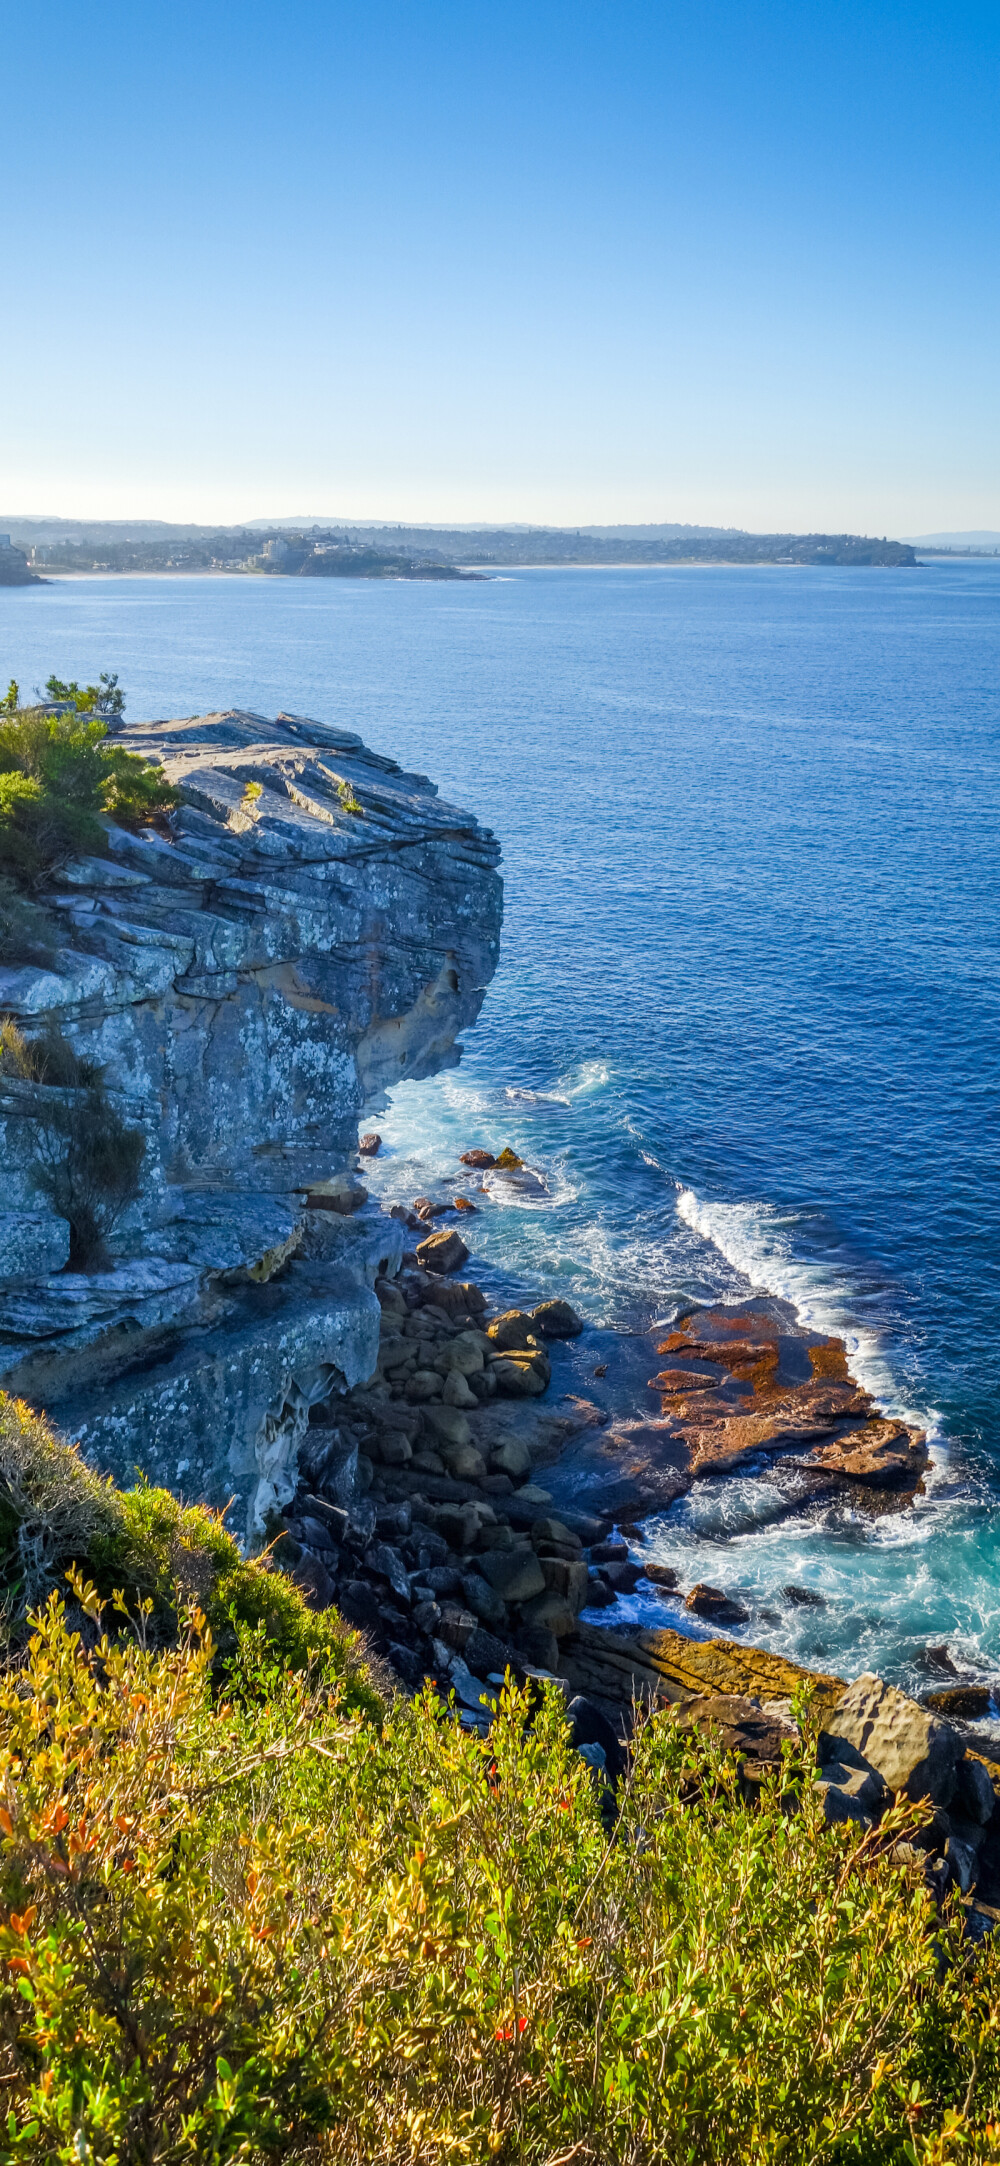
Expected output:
(448, 1423)
(538, 1649)
(556, 1320)
(974, 1795)
(659, 1575)
(860, 1792)
(370, 1145)
(457, 1623)
(423, 1385)
(551, 1612)
(912, 1749)
(713, 1602)
(600, 1594)
(803, 1598)
(508, 1161)
(487, 1655)
(483, 1600)
(518, 1379)
(549, 1529)
(624, 1577)
(615, 1553)
(568, 1580)
(394, 1450)
(463, 1462)
(386, 1563)
(514, 1574)
(511, 1457)
(456, 1391)
(463, 1354)
(442, 1252)
(484, 1159)
(589, 1727)
(511, 1330)
(358, 1603)
(968, 1702)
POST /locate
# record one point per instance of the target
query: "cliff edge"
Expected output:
(310, 926)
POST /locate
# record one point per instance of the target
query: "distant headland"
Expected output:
(298, 549)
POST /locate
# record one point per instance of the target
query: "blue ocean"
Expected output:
(747, 1019)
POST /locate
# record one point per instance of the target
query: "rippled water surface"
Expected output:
(746, 1022)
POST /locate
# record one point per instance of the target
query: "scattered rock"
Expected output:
(370, 1145)
(661, 1575)
(601, 1369)
(713, 1602)
(462, 1203)
(937, 1660)
(556, 1320)
(508, 1161)
(477, 1158)
(968, 1703)
(442, 1252)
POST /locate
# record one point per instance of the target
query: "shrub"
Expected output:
(259, 1926)
(348, 801)
(57, 777)
(27, 933)
(105, 697)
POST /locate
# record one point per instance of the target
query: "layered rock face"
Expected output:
(311, 926)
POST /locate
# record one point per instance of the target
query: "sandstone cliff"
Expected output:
(311, 926)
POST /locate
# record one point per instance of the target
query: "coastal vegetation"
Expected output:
(254, 1907)
(61, 776)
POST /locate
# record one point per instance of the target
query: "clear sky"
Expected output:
(731, 261)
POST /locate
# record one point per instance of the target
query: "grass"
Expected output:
(57, 1514)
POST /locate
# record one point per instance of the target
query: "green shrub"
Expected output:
(105, 697)
(258, 1926)
(58, 775)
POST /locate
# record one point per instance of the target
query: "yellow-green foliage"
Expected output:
(261, 1926)
(55, 1513)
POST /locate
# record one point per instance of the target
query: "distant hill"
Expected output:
(371, 550)
(980, 539)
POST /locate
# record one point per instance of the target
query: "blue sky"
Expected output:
(714, 262)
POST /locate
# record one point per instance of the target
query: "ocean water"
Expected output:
(747, 1020)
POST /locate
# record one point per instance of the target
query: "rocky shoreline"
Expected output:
(469, 1525)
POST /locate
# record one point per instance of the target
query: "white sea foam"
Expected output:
(760, 1242)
